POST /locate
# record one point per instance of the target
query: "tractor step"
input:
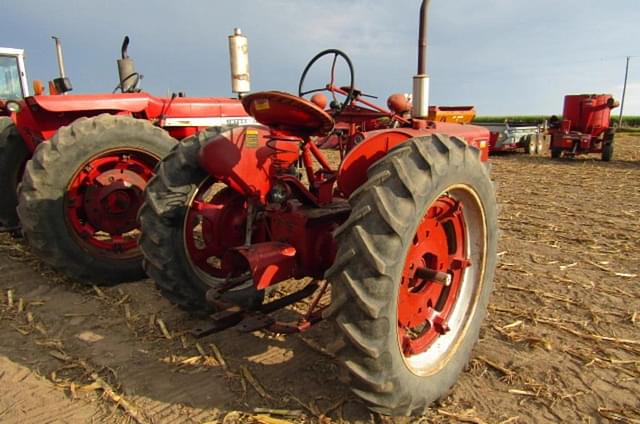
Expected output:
(248, 321)
(222, 320)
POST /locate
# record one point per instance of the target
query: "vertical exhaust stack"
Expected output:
(421, 80)
(61, 84)
(239, 59)
(129, 78)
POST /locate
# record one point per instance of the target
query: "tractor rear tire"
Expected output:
(431, 182)
(81, 192)
(13, 157)
(163, 222)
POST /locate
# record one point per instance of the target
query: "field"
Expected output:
(628, 121)
(561, 342)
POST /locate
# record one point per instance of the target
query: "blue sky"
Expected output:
(503, 56)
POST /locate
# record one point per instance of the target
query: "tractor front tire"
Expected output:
(13, 157)
(556, 153)
(165, 221)
(81, 193)
(428, 204)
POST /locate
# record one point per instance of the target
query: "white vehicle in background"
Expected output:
(13, 77)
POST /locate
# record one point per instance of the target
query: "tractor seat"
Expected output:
(289, 113)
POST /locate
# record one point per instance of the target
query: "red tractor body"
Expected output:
(585, 126)
(257, 162)
(42, 116)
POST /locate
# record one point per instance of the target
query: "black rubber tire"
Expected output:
(13, 156)
(41, 201)
(372, 248)
(161, 219)
(556, 153)
(607, 145)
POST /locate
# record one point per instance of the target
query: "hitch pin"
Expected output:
(432, 274)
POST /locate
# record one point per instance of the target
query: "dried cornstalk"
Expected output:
(544, 294)
(163, 329)
(254, 383)
(266, 419)
(99, 292)
(523, 392)
(507, 373)
(201, 350)
(218, 356)
(617, 416)
(123, 300)
(465, 418)
(596, 337)
(118, 399)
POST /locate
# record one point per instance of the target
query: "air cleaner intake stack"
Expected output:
(421, 80)
(239, 59)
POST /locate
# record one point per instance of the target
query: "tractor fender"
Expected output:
(353, 171)
(376, 144)
(241, 158)
(133, 102)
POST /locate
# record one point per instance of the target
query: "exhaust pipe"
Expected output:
(61, 84)
(421, 80)
(239, 59)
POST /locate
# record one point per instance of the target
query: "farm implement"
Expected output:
(585, 126)
(509, 136)
(401, 235)
(84, 162)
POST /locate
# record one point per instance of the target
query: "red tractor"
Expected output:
(402, 231)
(84, 161)
(585, 126)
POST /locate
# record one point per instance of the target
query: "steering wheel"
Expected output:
(350, 88)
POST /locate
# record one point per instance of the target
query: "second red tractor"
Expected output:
(401, 232)
(84, 161)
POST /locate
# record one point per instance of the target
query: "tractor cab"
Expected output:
(13, 78)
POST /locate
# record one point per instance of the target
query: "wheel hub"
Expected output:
(113, 202)
(103, 199)
(213, 224)
(432, 276)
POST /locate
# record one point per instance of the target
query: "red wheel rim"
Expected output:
(215, 221)
(425, 304)
(103, 198)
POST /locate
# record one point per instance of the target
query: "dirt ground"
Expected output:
(561, 342)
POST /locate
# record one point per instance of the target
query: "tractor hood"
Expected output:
(153, 107)
(135, 102)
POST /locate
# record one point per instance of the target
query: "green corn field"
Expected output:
(630, 121)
